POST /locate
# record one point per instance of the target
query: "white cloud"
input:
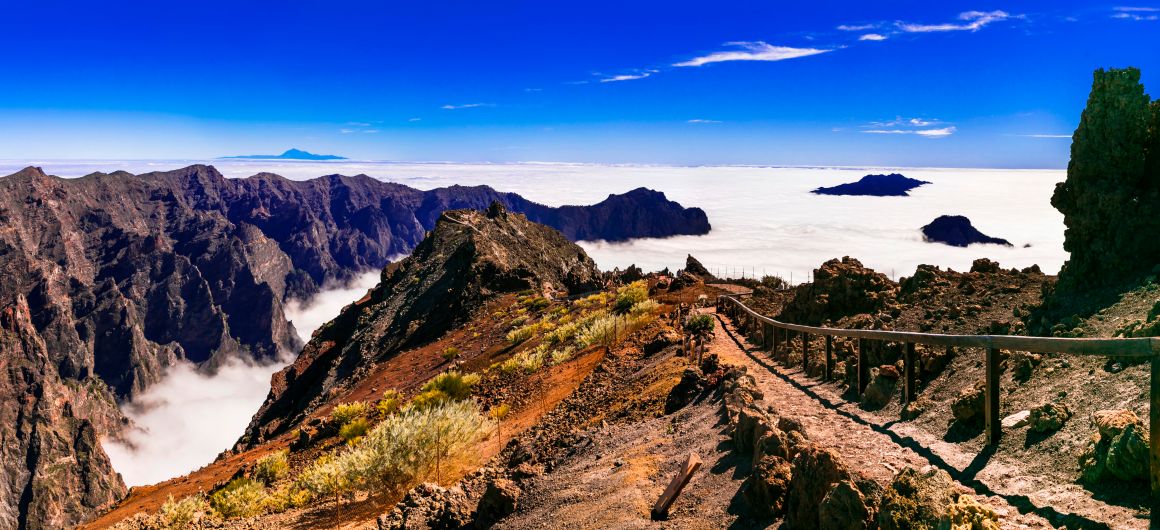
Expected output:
(872, 36)
(1136, 13)
(467, 106)
(184, 421)
(908, 122)
(414, 119)
(860, 27)
(927, 133)
(970, 21)
(628, 77)
(699, 120)
(753, 51)
(310, 315)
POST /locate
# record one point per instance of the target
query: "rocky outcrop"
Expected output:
(470, 257)
(55, 473)
(892, 185)
(123, 275)
(957, 231)
(1118, 451)
(840, 288)
(917, 500)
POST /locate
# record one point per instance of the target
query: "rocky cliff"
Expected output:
(121, 275)
(470, 256)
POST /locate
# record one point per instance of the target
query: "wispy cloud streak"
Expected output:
(753, 51)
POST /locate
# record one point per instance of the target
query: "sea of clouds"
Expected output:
(764, 220)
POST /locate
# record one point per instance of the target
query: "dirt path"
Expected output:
(870, 448)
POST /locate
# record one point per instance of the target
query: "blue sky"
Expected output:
(857, 83)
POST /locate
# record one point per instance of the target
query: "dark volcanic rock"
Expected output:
(957, 231)
(123, 275)
(892, 185)
(55, 473)
(470, 257)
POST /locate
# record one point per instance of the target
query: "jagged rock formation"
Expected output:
(841, 288)
(892, 185)
(123, 275)
(1111, 199)
(55, 472)
(470, 257)
(957, 231)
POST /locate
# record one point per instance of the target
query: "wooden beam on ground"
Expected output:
(660, 510)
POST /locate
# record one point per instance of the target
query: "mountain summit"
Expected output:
(291, 154)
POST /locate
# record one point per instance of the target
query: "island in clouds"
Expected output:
(290, 154)
(892, 185)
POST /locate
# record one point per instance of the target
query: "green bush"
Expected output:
(328, 476)
(537, 303)
(630, 295)
(450, 353)
(699, 325)
(272, 467)
(354, 430)
(183, 513)
(408, 447)
(522, 334)
(242, 497)
(447, 386)
(344, 413)
(391, 402)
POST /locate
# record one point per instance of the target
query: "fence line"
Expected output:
(767, 329)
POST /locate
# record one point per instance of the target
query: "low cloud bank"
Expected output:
(310, 315)
(187, 419)
(183, 422)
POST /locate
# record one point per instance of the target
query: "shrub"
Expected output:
(242, 497)
(499, 412)
(699, 325)
(325, 477)
(522, 334)
(630, 295)
(354, 429)
(409, 446)
(645, 308)
(182, 513)
(560, 356)
(450, 353)
(272, 467)
(391, 403)
(447, 386)
(344, 413)
(537, 303)
(601, 331)
(286, 497)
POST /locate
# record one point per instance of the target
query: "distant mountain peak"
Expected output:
(291, 154)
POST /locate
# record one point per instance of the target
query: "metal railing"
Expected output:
(768, 330)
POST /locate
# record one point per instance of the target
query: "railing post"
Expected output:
(767, 336)
(788, 346)
(863, 368)
(805, 353)
(1154, 439)
(992, 397)
(829, 357)
(909, 382)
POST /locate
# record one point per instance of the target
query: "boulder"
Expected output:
(1023, 363)
(815, 472)
(984, 265)
(881, 388)
(916, 500)
(967, 407)
(1014, 421)
(1118, 450)
(766, 487)
(967, 513)
(845, 507)
(429, 507)
(687, 389)
(500, 499)
(1048, 417)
